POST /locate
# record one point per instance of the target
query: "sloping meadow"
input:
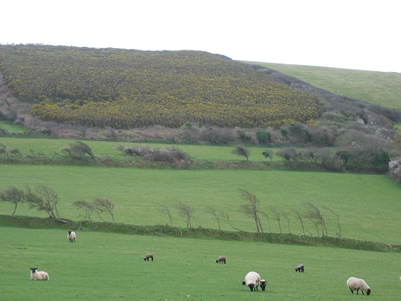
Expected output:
(363, 207)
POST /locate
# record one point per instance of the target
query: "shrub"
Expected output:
(244, 137)
(263, 137)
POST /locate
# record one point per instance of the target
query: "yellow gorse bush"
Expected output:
(129, 88)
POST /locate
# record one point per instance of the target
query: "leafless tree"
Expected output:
(299, 216)
(103, 204)
(186, 211)
(213, 212)
(13, 195)
(313, 213)
(251, 208)
(88, 208)
(45, 199)
(165, 209)
(276, 216)
(287, 217)
(227, 217)
(339, 234)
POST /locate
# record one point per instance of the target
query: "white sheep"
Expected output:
(71, 236)
(358, 284)
(38, 275)
(252, 280)
(263, 284)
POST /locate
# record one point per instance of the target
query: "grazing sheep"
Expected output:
(300, 268)
(148, 256)
(263, 284)
(358, 284)
(252, 280)
(221, 259)
(38, 275)
(71, 236)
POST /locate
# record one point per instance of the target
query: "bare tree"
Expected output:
(251, 208)
(227, 217)
(165, 209)
(287, 217)
(299, 216)
(186, 211)
(213, 212)
(313, 213)
(12, 195)
(276, 216)
(46, 200)
(104, 204)
(88, 208)
(241, 150)
(339, 234)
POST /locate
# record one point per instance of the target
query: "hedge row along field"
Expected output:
(129, 88)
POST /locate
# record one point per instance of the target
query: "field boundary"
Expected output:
(199, 233)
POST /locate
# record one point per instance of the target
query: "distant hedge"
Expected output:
(130, 88)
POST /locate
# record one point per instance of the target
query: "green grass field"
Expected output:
(105, 148)
(368, 205)
(375, 87)
(105, 266)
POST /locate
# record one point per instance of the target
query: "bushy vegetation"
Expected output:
(129, 88)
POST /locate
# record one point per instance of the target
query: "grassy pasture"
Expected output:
(368, 205)
(105, 148)
(11, 127)
(381, 88)
(105, 266)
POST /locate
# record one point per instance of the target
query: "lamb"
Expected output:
(252, 280)
(71, 236)
(263, 284)
(148, 256)
(358, 284)
(221, 259)
(300, 268)
(38, 275)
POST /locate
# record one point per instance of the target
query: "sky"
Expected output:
(349, 34)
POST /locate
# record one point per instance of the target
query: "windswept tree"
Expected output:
(213, 211)
(313, 214)
(251, 208)
(87, 207)
(165, 209)
(13, 195)
(339, 233)
(44, 199)
(300, 216)
(104, 205)
(268, 153)
(78, 151)
(227, 217)
(276, 216)
(186, 211)
(242, 151)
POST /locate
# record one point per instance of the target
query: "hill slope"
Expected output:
(129, 88)
(374, 87)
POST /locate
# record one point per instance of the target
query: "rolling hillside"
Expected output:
(381, 88)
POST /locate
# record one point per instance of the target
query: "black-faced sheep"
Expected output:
(300, 268)
(221, 259)
(71, 236)
(358, 284)
(38, 275)
(148, 256)
(252, 280)
(263, 284)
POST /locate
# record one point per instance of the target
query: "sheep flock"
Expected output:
(252, 279)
